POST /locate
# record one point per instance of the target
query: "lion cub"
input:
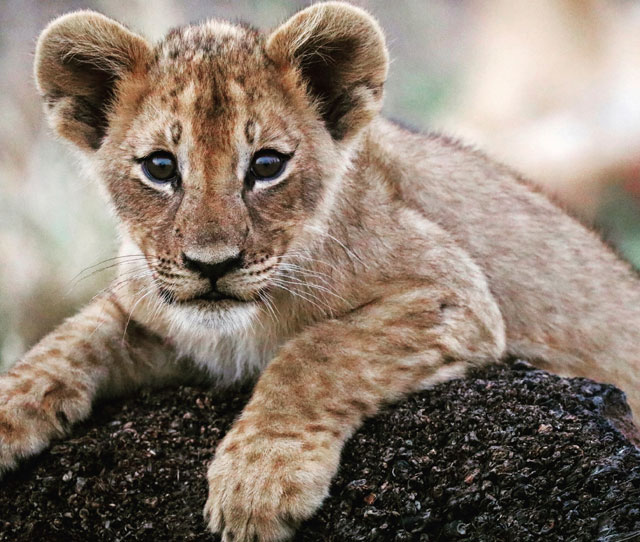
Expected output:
(273, 224)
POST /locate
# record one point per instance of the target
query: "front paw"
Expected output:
(34, 409)
(261, 486)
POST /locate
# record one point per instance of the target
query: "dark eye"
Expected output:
(160, 167)
(267, 165)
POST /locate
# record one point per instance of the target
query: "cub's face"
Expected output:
(219, 165)
(220, 147)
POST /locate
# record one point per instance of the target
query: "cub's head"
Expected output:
(221, 147)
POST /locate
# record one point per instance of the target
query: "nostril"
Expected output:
(190, 263)
(211, 271)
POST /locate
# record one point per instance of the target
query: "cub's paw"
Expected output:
(261, 486)
(33, 411)
(17, 442)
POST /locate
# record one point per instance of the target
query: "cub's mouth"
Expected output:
(240, 287)
(213, 296)
(206, 299)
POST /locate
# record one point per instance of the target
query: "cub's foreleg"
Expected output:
(274, 467)
(56, 382)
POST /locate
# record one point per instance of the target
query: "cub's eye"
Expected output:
(160, 167)
(267, 165)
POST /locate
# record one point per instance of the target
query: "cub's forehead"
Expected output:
(212, 68)
(209, 41)
(210, 85)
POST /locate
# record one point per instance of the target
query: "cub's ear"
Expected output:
(341, 54)
(80, 57)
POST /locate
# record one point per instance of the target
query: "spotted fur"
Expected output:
(379, 263)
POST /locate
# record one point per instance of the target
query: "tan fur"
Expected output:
(379, 263)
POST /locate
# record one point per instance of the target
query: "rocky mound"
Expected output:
(505, 454)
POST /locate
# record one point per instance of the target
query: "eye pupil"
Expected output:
(160, 167)
(267, 165)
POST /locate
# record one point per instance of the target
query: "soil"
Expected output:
(504, 454)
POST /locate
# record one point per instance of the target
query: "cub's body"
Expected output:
(569, 303)
(274, 225)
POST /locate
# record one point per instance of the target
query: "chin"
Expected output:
(226, 315)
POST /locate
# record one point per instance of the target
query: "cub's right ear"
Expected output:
(80, 58)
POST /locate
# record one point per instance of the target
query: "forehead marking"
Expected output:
(176, 132)
(250, 131)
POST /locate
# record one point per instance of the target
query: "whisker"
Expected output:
(102, 322)
(325, 277)
(116, 285)
(307, 278)
(318, 287)
(309, 298)
(124, 259)
(264, 297)
(76, 281)
(148, 291)
(346, 249)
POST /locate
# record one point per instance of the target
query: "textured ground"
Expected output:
(506, 454)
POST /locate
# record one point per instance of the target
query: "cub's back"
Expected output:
(564, 294)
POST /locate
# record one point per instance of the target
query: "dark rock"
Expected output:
(505, 454)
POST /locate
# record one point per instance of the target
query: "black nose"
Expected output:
(212, 271)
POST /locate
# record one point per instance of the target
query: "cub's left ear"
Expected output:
(80, 59)
(341, 54)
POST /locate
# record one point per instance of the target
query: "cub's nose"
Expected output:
(211, 270)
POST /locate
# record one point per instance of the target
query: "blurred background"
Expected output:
(550, 87)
